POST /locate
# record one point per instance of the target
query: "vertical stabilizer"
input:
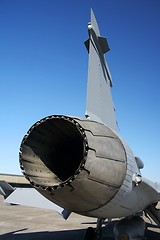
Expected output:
(99, 99)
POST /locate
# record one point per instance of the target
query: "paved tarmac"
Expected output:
(26, 223)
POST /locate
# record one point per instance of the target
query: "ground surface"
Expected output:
(25, 223)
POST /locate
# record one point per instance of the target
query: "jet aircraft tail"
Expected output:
(99, 99)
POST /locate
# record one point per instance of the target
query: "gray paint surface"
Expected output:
(99, 106)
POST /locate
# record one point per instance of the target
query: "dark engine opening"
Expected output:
(58, 143)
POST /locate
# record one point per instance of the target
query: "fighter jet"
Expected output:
(83, 165)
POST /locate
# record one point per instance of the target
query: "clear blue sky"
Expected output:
(43, 69)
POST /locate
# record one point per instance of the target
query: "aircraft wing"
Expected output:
(5, 189)
(29, 197)
(99, 105)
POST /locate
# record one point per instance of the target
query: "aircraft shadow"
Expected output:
(45, 235)
(78, 234)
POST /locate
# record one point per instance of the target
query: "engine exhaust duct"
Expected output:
(71, 161)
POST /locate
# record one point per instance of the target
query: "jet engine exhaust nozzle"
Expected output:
(72, 160)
